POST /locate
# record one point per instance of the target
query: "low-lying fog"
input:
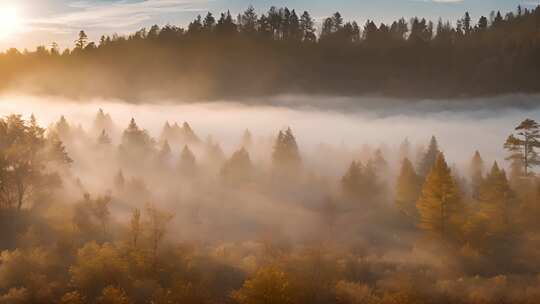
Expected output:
(461, 126)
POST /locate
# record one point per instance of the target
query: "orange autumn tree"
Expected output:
(439, 205)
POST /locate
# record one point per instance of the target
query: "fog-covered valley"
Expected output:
(294, 199)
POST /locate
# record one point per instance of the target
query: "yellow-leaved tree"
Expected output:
(439, 205)
(270, 285)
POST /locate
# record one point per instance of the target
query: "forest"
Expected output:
(111, 214)
(287, 52)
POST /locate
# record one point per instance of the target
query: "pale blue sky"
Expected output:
(44, 21)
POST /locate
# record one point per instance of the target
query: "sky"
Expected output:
(30, 23)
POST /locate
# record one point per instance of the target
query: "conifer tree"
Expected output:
(498, 203)
(476, 171)
(81, 41)
(351, 181)
(238, 169)
(360, 182)
(407, 189)
(286, 154)
(102, 122)
(188, 135)
(379, 163)
(134, 137)
(214, 153)
(164, 155)
(187, 164)
(522, 146)
(167, 133)
(439, 204)
(405, 149)
(63, 129)
(428, 158)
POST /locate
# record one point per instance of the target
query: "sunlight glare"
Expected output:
(10, 22)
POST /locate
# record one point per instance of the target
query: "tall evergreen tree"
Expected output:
(81, 41)
(307, 26)
(522, 146)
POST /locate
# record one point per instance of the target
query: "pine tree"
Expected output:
(407, 189)
(521, 147)
(429, 158)
(80, 43)
(307, 26)
(439, 204)
(476, 171)
(248, 21)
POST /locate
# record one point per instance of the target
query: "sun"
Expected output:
(10, 22)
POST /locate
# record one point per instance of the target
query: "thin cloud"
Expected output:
(117, 15)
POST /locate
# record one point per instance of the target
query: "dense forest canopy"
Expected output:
(284, 51)
(114, 214)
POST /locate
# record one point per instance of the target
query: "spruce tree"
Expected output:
(522, 146)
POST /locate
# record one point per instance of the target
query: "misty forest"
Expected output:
(268, 159)
(284, 51)
(110, 214)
